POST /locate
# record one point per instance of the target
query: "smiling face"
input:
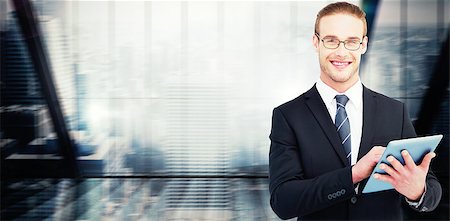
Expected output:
(339, 68)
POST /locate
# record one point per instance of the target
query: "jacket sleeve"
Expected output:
(291, 194)
(433, 188)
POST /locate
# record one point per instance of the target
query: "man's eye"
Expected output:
(353, 42)
(331, 40)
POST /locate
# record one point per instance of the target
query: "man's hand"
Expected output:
(408, 180)
(362, 169)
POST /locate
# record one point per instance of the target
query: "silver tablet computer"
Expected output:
(417, 148)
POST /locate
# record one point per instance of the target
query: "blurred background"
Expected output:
(142, 110)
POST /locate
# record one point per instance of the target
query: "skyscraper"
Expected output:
(19, 82)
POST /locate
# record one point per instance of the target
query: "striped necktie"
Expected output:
(343, 125)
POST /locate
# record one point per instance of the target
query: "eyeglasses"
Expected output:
(333, 43)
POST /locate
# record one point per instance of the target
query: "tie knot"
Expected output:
(341, 99)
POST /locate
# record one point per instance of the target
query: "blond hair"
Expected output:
(341, 8)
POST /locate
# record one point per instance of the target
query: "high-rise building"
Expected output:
(81, 100)
(19, 82)
(24, 115)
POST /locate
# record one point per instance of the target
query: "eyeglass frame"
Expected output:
(343, 42)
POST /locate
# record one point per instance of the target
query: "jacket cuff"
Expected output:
(416, 204)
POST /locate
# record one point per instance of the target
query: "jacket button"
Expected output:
(353, 200)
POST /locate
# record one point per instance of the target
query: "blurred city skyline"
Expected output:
(159, 74)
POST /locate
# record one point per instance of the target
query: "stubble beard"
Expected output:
(339, 76)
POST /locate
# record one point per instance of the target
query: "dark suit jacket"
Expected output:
(309, 174)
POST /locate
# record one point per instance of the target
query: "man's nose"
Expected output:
(341, 50)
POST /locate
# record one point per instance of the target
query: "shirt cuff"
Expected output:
(416, 204)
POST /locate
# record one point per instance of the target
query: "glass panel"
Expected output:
(423, 45)
(382, 70)
(179, 88)
(168, 87)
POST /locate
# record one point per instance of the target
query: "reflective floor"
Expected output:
(136, 199)
(180, 199)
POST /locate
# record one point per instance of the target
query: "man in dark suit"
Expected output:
(326, 142)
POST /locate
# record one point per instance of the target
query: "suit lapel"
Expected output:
(369, 116)
(320, 112)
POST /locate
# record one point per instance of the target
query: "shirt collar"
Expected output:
(354, 93)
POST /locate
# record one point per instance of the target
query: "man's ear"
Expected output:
(315, 42)
(365, 42)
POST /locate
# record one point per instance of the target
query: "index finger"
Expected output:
(409, 162)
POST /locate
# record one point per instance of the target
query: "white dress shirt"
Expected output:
(354, 109)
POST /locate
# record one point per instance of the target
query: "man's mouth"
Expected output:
(340, 64)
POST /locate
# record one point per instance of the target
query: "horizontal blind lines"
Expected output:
(198, 193)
